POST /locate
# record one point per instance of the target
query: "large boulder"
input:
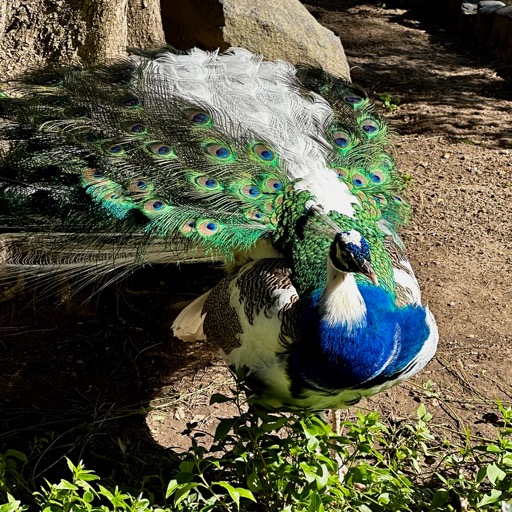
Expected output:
(281, 29)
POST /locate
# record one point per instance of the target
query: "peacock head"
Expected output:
(350, 252)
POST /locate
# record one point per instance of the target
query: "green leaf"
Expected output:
(223, 428)
(12, 506)
(315, 503)
(384, 498)
(492, 497)
(323, 478)
(254, 482)
(219, 398)
(183, 492)
(187, 466)
(441, 497)
(88, 496)
(495, 474)
(235, 495)
(482, 472)
(64, 484)
(16, 454)
(245, 493)
(309, 472)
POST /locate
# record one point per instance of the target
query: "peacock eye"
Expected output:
(155, 206)
(131, 102)
(79, 112)
(140, 186)
(114, 149)
(352, 99)
(112, 197)
(341, 139)
(369, 126)
(207, 227)
(342, 173)
(255, 215)
(93, 176)
(135, 128)
(377, 176)
(53, 81)
(381, 200)
(250, 191)
(198, 117)
(208, 183)
(161, 150)
(219, 151)
(189, 226)
(264, 153)
(359, 180)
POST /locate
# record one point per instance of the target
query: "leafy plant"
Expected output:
(390, 103)
(265, 461)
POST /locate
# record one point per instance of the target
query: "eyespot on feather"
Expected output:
(377, 177)
(161, 150)
(155, 206)
(370, 127)
(198, 117)
(207, 227)
(79, 112)
(272, 185)
(93, 176)
(140, 187)
(256, 215)
(208, 183)
(353, 99)
(114, 150)
(341, 139)
(264, 153)
(380, 199)
(134, 128)
(218, 151)
(359, 180)
(342, 173)
(188, 227)
(250, 191)
(113, 196)
(131, 102)
(54, 81)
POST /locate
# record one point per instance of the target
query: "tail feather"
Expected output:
(188, 325)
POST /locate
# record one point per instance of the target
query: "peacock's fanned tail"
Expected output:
(199, 155)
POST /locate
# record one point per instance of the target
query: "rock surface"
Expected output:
(278, 30)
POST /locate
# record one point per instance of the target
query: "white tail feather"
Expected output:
(188, 325)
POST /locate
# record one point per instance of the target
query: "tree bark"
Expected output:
(34, 32)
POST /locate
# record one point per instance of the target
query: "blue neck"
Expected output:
(337, 351)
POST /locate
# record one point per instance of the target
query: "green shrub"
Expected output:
(263, 461)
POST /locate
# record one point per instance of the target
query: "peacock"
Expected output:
(286, 174)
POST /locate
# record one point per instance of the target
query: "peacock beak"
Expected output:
(367, 270)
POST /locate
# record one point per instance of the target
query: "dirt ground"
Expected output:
(77, 377)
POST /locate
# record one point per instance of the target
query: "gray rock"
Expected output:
(489, 6)
(469, 8)
(277, 29)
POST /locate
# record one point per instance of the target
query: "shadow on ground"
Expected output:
(78, 373)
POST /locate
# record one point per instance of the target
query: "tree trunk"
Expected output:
(33, 32)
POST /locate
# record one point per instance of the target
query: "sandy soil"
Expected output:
(66, 364)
